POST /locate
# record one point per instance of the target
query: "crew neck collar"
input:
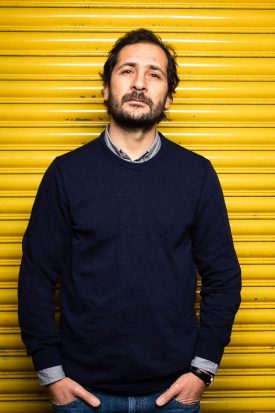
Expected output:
(148, 154)
(134, 165)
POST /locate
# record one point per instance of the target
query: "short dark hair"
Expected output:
(142, 36)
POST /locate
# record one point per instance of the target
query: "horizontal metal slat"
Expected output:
(256, 252)
(178, 4)
(14, 206)
(250, 207)
(18, 67)
(26, 184)
(220, 138)
(205, 115)
(253, 341)
(21, 385)
(225, 92)
(253, 229)
(248, 160)
(246, 318)
(91, 91)
(240, 363)
(243, 230)
(27, 159)
(109, 19)
(239, 208)
(9, 276)
(88, 68)
(17, 364)
(180, 115)
(239, 384)
(249, 249)
(256, 275)
(235, 405)
(242, 404)
(98, 44)
(194, 138)
(33, 405)
(13, 91)
(263, 161)
(245, 184)
(259, 296)
(244, 362)
(47, 138)
(11, 343)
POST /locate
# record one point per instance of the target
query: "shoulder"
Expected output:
(79, 157)
(183, 158)
(193, 171)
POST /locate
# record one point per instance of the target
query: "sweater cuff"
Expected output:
(46, 358)
(204, 364)
(209, 349)
(50, 375)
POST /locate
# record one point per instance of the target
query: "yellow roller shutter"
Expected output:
(50, 102)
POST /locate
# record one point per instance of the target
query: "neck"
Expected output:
(132, 141)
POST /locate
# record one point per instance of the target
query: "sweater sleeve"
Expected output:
(218, 267)
(45, 244)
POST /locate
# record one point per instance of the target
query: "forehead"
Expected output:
(143, 54)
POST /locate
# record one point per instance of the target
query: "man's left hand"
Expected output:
(186, 389)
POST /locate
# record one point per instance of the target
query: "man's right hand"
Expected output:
(66, 391)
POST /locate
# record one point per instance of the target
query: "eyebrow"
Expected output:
(150, 66)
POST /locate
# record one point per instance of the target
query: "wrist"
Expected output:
(50, 375)
(205, 376)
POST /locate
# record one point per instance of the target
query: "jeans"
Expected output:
(125, 404)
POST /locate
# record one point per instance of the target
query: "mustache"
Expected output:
(137, 96)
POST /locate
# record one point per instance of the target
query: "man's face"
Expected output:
(137, 95)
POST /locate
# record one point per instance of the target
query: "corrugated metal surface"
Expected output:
(50, 102)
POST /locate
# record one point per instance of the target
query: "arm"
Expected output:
(218, 266)
(44, 252)
(219, 269)
(45, 246)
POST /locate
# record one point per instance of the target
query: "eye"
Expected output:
(126, 71)
(155, 75)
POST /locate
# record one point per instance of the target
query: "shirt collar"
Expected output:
(152, 151)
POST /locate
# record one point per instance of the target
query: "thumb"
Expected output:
(85, 395)
(166, 396)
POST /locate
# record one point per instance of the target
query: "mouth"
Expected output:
(137, 99)
(137, 105)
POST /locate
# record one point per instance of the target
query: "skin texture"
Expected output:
(187, 389)
(141, 71)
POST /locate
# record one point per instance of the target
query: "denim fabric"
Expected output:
(124, 404)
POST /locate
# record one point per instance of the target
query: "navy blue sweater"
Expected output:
(126, 241)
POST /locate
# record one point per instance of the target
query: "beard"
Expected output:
(130, 121)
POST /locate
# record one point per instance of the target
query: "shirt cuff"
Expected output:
(204, 364)
(50, 375)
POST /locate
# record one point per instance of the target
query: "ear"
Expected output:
(106, 92)
(168, 102)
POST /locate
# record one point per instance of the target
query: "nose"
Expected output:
(139, 82)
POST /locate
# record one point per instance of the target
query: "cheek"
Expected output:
(118, 90)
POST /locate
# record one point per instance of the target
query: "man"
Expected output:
(125, 222)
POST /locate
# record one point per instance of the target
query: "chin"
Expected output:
(136, 112)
